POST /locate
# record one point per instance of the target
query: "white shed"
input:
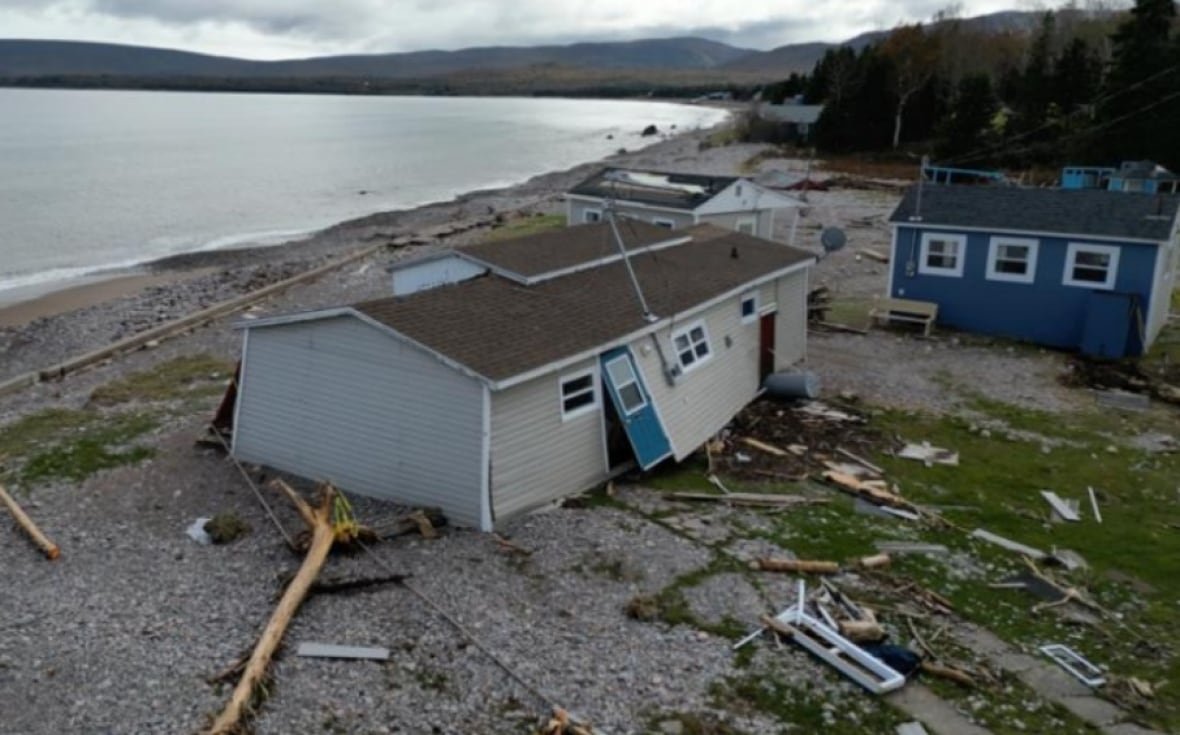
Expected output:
(538, 379)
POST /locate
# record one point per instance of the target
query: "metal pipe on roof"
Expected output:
(610, 218)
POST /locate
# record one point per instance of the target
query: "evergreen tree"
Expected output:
(968, 126)
(1076, 76)
(1141, 110)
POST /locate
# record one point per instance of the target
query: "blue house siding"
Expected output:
(1045, 311)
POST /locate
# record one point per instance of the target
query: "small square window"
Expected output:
(1012, 259)
(747, 226)
(749, 307)
(942, 255)
(578, 394)
(692, 346)
(665, 223)
(1091, 266)
(591, 215)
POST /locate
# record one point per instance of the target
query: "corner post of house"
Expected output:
(233, 437)
(486, 520)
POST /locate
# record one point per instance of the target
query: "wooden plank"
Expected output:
(876, 255)
(329, 650)
(860, 460)
(763, 446)
(855, 486)
(806, 566)
(1094, 505)
(1009, 544)
(1060, 506)
(42, 541)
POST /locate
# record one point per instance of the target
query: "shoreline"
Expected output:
(81, 316)
(23, 305)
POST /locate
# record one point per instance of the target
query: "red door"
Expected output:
(765, 346)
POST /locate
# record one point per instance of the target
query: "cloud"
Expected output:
(276, 28)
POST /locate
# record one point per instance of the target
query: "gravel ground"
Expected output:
(119, 635)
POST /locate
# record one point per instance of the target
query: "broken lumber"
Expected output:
(874, 255)
(763, 446)
(22, 519)
(949, 673)
(874, 561)
(1094, 505)
(860, 460)
(323, 536)
(862, 631)
(806, 566)
(866, 490)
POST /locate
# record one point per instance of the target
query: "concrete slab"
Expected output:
(1053, 683)
(939, 716)
(1129, 728)
(1092, 709)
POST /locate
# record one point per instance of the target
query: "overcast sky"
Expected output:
(268, 29)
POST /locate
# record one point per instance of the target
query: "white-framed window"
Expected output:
(1091, 266)
(579, 394)
(591, 215)
(663, 222)
(1012, 259)
(747, 225)
(942, 254)
(692, 346)
(626, 383)
(749, 307)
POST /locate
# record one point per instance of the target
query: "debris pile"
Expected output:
(1124, 375)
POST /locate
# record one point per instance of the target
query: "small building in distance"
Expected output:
(1089, 269)
(506, 375)
(1133, 176)
(674, 200)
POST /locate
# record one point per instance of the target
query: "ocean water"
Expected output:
(94, 180)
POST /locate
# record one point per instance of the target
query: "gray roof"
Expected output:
(567, 247)
(1087, 212)
(1145, 170)
(678, 191)
(500, 329)
(791, 113)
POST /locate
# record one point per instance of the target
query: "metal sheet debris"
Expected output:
(198, 533)
(328, 650)
(1071, 661)
(1016, 546)
(929, 455)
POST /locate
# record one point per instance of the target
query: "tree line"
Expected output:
(1086, 87)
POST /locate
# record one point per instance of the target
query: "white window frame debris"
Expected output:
(329, 650)
(995, 250)
(1067, 509)
(1071, 264)
(929, 455)
(958, 252)
(752, 299)
(566, 392)
(1075, 664)
(692, 346)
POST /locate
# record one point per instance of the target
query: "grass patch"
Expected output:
(804, 708)
(180, 378)
(522, 226)
(67, 444)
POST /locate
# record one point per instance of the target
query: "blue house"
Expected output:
(1090, 270)
(1145, 176)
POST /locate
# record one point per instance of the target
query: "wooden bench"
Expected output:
(906, 310)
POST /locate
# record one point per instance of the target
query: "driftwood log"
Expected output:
(22, 519)
(320, 521)
(806, 566)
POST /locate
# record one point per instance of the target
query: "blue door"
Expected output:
(1113, 326)
(625, 387)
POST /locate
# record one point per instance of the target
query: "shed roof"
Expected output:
(659, 188)
(1088, 212)
(501, 329)
(568, 247)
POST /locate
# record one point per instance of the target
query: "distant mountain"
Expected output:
(29, 58)
(802, 57)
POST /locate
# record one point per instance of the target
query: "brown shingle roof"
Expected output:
(500, 329)
(568, 247)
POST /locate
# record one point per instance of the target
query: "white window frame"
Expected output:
(993, 251)
(960, 255)
(697, 360)
(586, 216)
(1112, 271)
(590, 407)
(751, 221)
(753, 315)
(664, 222)
(634, 380)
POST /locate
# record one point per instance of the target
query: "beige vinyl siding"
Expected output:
(790, 324)
(705, 398)
(536, 456)
(340, 400)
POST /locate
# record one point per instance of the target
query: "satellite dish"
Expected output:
(832, 238)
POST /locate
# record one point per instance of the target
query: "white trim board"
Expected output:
(993, 246)
(1112, 268)
(955, 271)
(487, 520)
(1097, 239)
